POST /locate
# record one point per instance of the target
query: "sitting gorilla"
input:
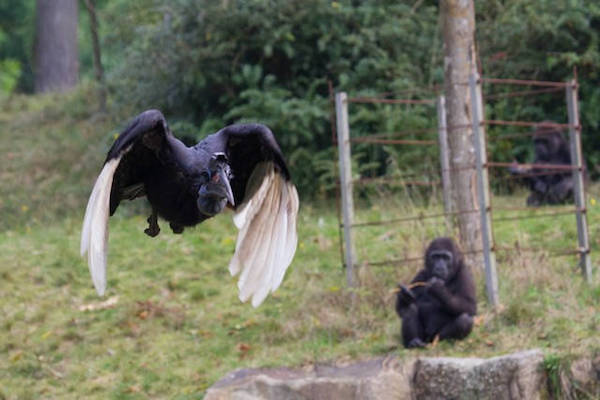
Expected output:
(442, 301)
(548, 186)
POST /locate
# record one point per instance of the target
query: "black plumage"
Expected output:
(240, 166)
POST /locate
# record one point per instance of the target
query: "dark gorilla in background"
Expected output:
(442, 301)
(548, 186)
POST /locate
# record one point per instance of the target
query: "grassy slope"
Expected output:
(177, 325)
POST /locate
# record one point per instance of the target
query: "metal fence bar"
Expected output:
(556, 253)
(579, 190)
(557, 167)
(533, 216)
(388, 101)
(444, 161)
(530, 209)
(524, 123)
(397, 181)
(343, 132)
(489, 258)
(519, 135)
(390, 135)
(393, 261)
(524, 82)
(392, 141)
(523, 93)
(412, 218)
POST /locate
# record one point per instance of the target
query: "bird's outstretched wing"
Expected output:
(144, 144)
(266, 208)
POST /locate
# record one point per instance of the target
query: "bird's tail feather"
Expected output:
(267, 239)
(94, 233)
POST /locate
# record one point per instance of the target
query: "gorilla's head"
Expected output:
(548, 141)
(443, 258)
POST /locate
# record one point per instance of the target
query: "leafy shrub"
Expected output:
(212, 63)
(270, 61)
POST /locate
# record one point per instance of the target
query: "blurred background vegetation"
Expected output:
(178, 325)
(208, 63)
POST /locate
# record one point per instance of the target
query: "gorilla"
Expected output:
(442, 298)
(548, 186)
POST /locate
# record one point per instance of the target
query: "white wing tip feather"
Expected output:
(267, 239)
(94, 233)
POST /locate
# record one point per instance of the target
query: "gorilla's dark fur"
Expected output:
(443, 301)
(548, 186)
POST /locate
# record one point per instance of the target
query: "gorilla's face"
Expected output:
(542, 148)
(547, 141)
(440, 264)
(443, 259)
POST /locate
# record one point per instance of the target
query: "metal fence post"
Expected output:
(343, 138)
(444, 160)
(579, 192)
(489, 257)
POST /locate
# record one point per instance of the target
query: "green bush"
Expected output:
(207, 63)
(215, 63)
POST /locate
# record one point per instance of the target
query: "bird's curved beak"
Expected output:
(225, 181)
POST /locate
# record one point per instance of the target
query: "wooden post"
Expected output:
(444, 161)
(579, 189)
(343, 137)
(483, 194)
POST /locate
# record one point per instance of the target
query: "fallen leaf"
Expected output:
(478, 320)
(243, 347)
(134, 389)
(17, 356)
(108, 303)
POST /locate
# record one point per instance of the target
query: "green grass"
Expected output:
(176, 325)
(52, 148)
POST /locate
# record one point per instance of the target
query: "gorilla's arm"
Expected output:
(407, 296)
(456, 297)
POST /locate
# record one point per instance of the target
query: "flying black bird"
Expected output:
(240, 166)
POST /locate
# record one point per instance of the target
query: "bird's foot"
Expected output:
(177, 229)
(153, 228)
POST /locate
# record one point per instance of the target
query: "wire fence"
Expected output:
(342, 138)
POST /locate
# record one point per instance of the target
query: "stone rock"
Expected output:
(383, 378)
(511, 377)
(584, 379)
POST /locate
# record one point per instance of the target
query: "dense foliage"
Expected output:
(548, 41)
(211, 63)
(207, 63)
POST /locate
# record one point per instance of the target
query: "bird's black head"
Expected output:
(215, 190)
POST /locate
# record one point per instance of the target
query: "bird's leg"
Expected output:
(153, 228)
(176, 228)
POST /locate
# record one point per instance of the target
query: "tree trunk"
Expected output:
(99, 71)
(56, 66)
(458, 24)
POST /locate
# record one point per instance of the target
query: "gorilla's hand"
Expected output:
(435, 284)
(405, 295)
(434, 281)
